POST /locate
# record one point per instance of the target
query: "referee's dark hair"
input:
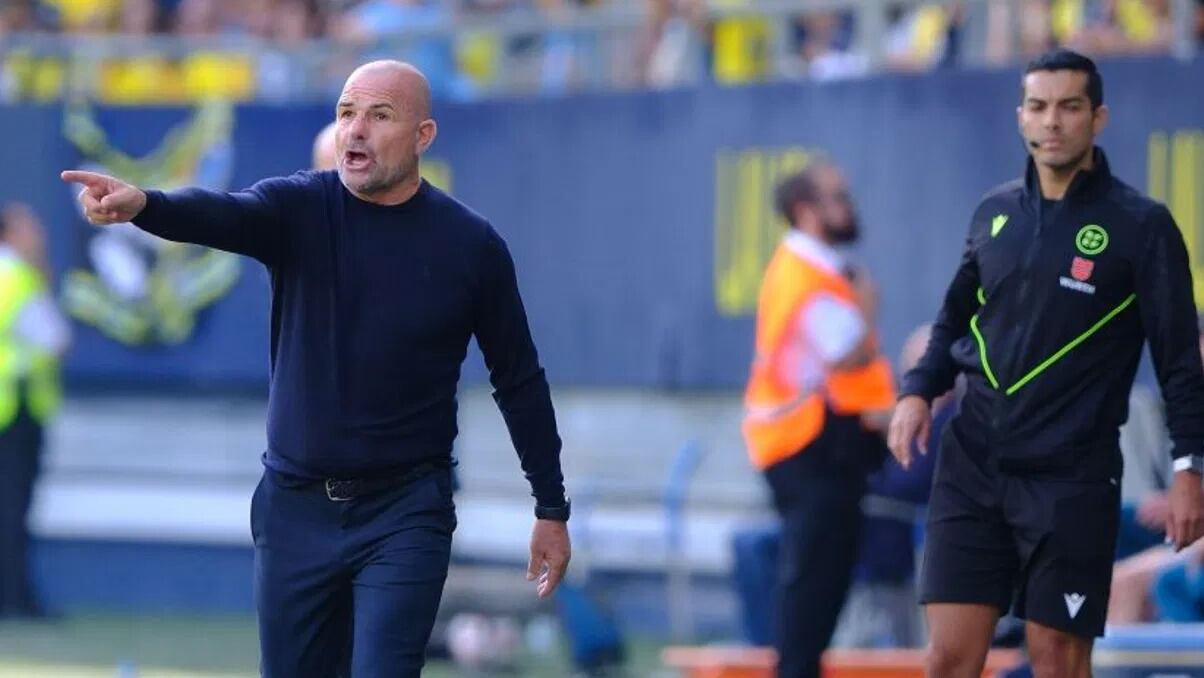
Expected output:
(794, 189)
(1069, 60)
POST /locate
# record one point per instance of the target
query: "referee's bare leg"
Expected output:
(959, 639)
(1057, 653)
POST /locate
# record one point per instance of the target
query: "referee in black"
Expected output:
(378, 282)
(1066, 273)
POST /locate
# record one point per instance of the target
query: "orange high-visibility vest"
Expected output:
(781, 417)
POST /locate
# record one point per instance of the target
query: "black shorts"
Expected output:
(1043, 547)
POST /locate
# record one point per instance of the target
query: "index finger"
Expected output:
(89, 179)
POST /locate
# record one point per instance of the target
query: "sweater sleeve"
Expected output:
(520, 386)
(243, 222)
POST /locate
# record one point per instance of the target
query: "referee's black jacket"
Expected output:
(1047, 315)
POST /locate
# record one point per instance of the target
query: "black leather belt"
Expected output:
(347, 489)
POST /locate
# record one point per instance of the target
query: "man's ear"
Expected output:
(1099, 119)
(427, 130)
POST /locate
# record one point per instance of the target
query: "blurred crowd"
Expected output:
(290, 49)
(917, 36)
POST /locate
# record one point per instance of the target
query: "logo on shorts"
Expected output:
(1080, 269)
(1074, 603)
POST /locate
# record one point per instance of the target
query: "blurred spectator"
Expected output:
(195, 18)
(1145, 445)
(373, 19)
(1032, 37)
(155, 77)
(1113, 26)
(561, 51)
(1179, 588)
(681, 42)
(17, 15)
(258, 18)
(23, 73)
(1143, 557)
(818, 399)
(479, 51)
(674, 33)
(559, 58)
(137, 78)
(210, 73)
(921, 37)
(324, 154)
(882, 609)
(825, 46)
(742, 47)
(1199, 24)
(33, 334)
(286, 26)
(75, 16)
(294, 21)
(278, 21)
(387, 28)
(140, 18)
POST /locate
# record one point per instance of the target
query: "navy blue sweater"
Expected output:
(372, 310)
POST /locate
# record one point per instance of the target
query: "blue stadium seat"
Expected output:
(1146, 650)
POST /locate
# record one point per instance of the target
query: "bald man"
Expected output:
(324, 155)
(379, 280)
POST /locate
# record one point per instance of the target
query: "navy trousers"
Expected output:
(349, 589)
(20, 458)
(818, 495)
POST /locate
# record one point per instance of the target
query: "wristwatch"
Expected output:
(1191, 462)
(559, 513)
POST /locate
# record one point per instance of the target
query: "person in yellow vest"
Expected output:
(817, 403)
(33, 334)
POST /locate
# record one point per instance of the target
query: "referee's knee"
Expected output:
(1058, 654)
(952, 660)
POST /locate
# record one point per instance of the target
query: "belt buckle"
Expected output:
(331, 484)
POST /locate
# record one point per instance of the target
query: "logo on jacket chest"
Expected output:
(1080, 273)
(1080, 269)
(1090, 240)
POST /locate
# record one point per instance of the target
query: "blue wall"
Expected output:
(639, 221)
